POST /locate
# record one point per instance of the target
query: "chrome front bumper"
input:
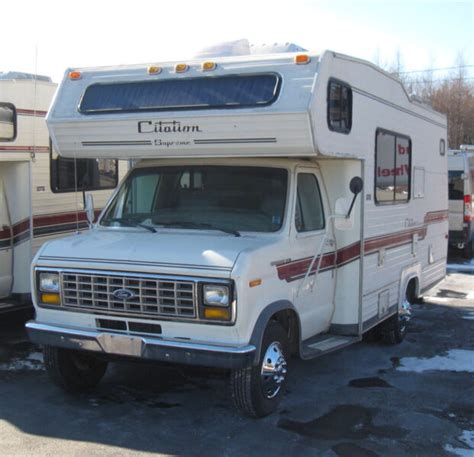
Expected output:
(141, 347)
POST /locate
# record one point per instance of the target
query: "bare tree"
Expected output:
(451, 94)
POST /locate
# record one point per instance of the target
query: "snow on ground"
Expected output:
(33, 361)
(454, 360)
(469, 316)
(466, 438)
(459, 451)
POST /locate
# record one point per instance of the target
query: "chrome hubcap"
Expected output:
(273, 370)
(404, 315)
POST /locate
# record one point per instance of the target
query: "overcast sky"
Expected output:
(428, 33)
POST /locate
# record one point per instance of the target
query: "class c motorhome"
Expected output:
(37, 198)
(280, 205)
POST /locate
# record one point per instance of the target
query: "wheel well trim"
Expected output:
(263, 320)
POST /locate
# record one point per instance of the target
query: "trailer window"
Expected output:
(67, 175)
(237, 91)
(339, 104)
(392, 167)
(309, 214)
(455, 185)
(7, 122)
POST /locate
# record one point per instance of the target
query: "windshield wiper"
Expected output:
(131, 223)
(198, 225)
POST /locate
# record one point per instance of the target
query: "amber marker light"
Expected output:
(255, 282)
(181, 68)
(154, 70)
(302, 59)
(208, 66)
(217, 313)
(75, 75)
(50, 299)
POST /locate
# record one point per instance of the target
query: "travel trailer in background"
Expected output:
(461, 193)
(37, 188)
(281, 204)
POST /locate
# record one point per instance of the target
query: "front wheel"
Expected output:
(73, 371)
(257, 390)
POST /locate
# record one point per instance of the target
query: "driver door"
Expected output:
(6, 246)
(313, 296)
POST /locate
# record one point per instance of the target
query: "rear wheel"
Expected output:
(73, 371)
(395, 328)
(257, 390)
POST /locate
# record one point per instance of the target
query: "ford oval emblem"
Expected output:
(123, 294)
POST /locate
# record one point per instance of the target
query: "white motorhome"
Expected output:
(461, 193)
(243, 234)
(37, 198)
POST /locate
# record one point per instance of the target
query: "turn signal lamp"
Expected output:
(302, 59)
(181, 68)
(50, 299)
(75, 75)
(255, 283)
(154, 70)
(467, 208)
(222, 314)
(208, 66)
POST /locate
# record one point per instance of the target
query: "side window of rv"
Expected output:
(392, 167)
(339, 102)
(67, 175)
(7, 122)
(309, 214)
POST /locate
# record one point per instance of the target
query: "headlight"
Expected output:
(49, 282)
(216, 295)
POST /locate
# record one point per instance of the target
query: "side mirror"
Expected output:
(90, 213)
(356, 185)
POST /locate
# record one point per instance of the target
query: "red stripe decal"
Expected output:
(24, 148)
(436, 216)
(296, 269)
(393, 239)
(46, 220)
(31, 112)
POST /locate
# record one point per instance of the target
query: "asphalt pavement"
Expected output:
(414, 399)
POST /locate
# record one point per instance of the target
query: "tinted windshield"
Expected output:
(232, 198)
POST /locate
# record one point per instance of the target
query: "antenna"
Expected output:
(35, 79)
(75, 189)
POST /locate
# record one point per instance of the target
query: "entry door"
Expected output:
(313, 297)
(6, 246)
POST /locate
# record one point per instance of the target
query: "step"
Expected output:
(322, 344)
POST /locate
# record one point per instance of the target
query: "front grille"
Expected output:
(150, 296)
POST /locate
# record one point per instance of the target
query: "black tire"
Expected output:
(395, 328)
(73, 371)
(253, 396)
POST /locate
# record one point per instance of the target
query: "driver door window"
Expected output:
(309, 214)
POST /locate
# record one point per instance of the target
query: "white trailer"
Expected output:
(243, 234)
(461, 193)
(35, 205)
